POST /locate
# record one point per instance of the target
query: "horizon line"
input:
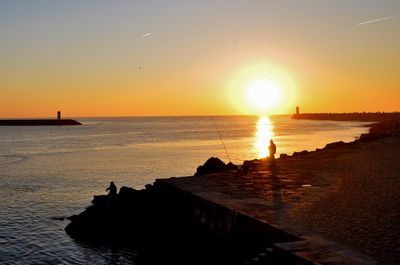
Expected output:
(147, 116)
(197, 115)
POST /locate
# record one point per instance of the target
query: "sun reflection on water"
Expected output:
(264, 133)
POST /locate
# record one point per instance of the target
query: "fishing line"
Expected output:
(222, 141)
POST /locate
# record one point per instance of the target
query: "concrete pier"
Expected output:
(39, 122)
(251, 208)
(356, 116)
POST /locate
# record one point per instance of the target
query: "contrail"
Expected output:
(144, 35)
(378, 19)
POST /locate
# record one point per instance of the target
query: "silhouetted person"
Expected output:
(112, 189)
(272, 150)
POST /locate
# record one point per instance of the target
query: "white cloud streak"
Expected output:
(144, 35)
(378, 19)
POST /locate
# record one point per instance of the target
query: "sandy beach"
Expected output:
(353, 197)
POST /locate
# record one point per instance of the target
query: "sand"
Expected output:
(353, 197)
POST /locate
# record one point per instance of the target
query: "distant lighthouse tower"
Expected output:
(58, 115)
(297, 110)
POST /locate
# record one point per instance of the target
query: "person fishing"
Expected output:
(112, 189)
(272, 150)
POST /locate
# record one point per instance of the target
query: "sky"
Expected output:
(157, 57)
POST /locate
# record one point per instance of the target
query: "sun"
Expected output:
(263, 94)
(262, 89)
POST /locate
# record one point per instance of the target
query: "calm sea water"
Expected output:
(51, 172)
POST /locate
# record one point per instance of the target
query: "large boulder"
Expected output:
(213, 165)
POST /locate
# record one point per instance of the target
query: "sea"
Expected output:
(49, 173)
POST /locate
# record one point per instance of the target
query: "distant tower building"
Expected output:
(297, 110)
(58, 115)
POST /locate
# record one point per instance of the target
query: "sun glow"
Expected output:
(263, 94)
(262, 89)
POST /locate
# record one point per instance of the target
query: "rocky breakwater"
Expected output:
(133, 213)
(158, 222)
(119, 218)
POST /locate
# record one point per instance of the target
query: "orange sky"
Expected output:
(91, 59)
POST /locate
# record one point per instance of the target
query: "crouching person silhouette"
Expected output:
(112, 189)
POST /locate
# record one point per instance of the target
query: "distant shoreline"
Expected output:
(39, 122)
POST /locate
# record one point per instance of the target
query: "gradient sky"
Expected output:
(89, 58)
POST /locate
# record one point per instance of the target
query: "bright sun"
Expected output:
(263, 94)
(262, 89)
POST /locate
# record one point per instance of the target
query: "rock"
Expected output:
(58, 218)
(100, 199)
(335, 145)
(112, 217)
(212, 165)
(382, 129)
(72, 217)
(127, 192)
(284, 156)
(231, 166)
(304, 152)
(251, 165)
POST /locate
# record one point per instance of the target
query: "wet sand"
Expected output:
(353, 197)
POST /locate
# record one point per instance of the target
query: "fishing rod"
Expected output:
(222, 141)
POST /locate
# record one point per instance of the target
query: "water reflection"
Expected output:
(264, 133)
